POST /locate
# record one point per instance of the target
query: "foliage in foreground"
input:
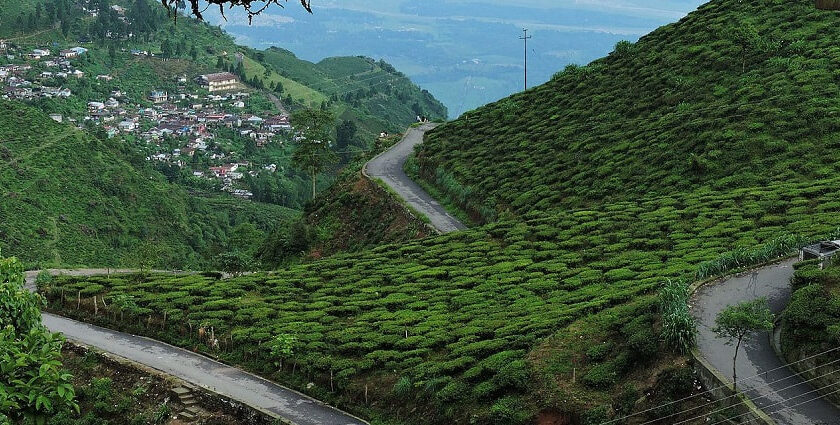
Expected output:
(32, 382)
(679, 329)
(811, 322)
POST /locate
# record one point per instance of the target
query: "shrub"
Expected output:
(679, 329)
(509, 411)
(602, 376)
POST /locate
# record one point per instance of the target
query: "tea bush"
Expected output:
(685, 107)
(450, 324)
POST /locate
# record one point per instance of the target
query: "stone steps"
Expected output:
(185, 397)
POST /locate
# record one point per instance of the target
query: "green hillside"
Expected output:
(177, 48)
(371, 92)
(72, 199)
(374, 93)
(482, 326)
(680, 157)
(737, 94)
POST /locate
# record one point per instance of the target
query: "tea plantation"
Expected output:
(484, 325)
(737, 94)
(704, 147)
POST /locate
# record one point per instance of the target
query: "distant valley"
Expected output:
(485, 64)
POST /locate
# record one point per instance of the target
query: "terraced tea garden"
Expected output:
(737, 94)
(483, 326)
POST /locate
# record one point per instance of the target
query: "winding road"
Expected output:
(197, 369)
(388, 166)
(772, 386)
(235, 383)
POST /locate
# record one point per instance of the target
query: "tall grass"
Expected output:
(744, 257)
(679, 330)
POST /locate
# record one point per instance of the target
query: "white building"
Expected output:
(221, 81)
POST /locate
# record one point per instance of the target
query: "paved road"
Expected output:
(773, 387)
(198, 370)
(389, 167)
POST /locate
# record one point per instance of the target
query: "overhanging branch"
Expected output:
(251, 7)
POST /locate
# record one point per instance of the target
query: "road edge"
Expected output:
(167, 376)
(398, 199)
(776, 343)
(716, 375)
(201, 354)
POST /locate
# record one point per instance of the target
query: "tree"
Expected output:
(282, 347)
(32, 383)
(193, 53)
(196, 6)
(166, 49)
(736, 322)
(346, 134)
(145, 256)
(313, 153)
(235, 262)
(65, 27)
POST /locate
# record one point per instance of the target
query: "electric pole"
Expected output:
(526, 37)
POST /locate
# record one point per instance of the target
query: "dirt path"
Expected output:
(278, 104)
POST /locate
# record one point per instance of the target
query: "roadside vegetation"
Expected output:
(811, 322)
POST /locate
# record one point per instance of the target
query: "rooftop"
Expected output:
(220, 76)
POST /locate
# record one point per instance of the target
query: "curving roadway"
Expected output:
(196, 369)
(388, 166)
(771, 385)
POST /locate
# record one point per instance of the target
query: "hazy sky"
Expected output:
(466, 52)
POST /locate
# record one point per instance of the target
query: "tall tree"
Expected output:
(166, 48)
(313, 153)
(736, 322)
(346, 134)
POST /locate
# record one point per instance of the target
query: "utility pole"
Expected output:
(526, 37)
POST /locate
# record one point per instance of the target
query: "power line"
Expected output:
(785, 401)
(736, 394)
(719, 387)
(525, 38)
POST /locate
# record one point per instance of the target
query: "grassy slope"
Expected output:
(683, 108)
(356, 214)
(71, 199)
(390, 108)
